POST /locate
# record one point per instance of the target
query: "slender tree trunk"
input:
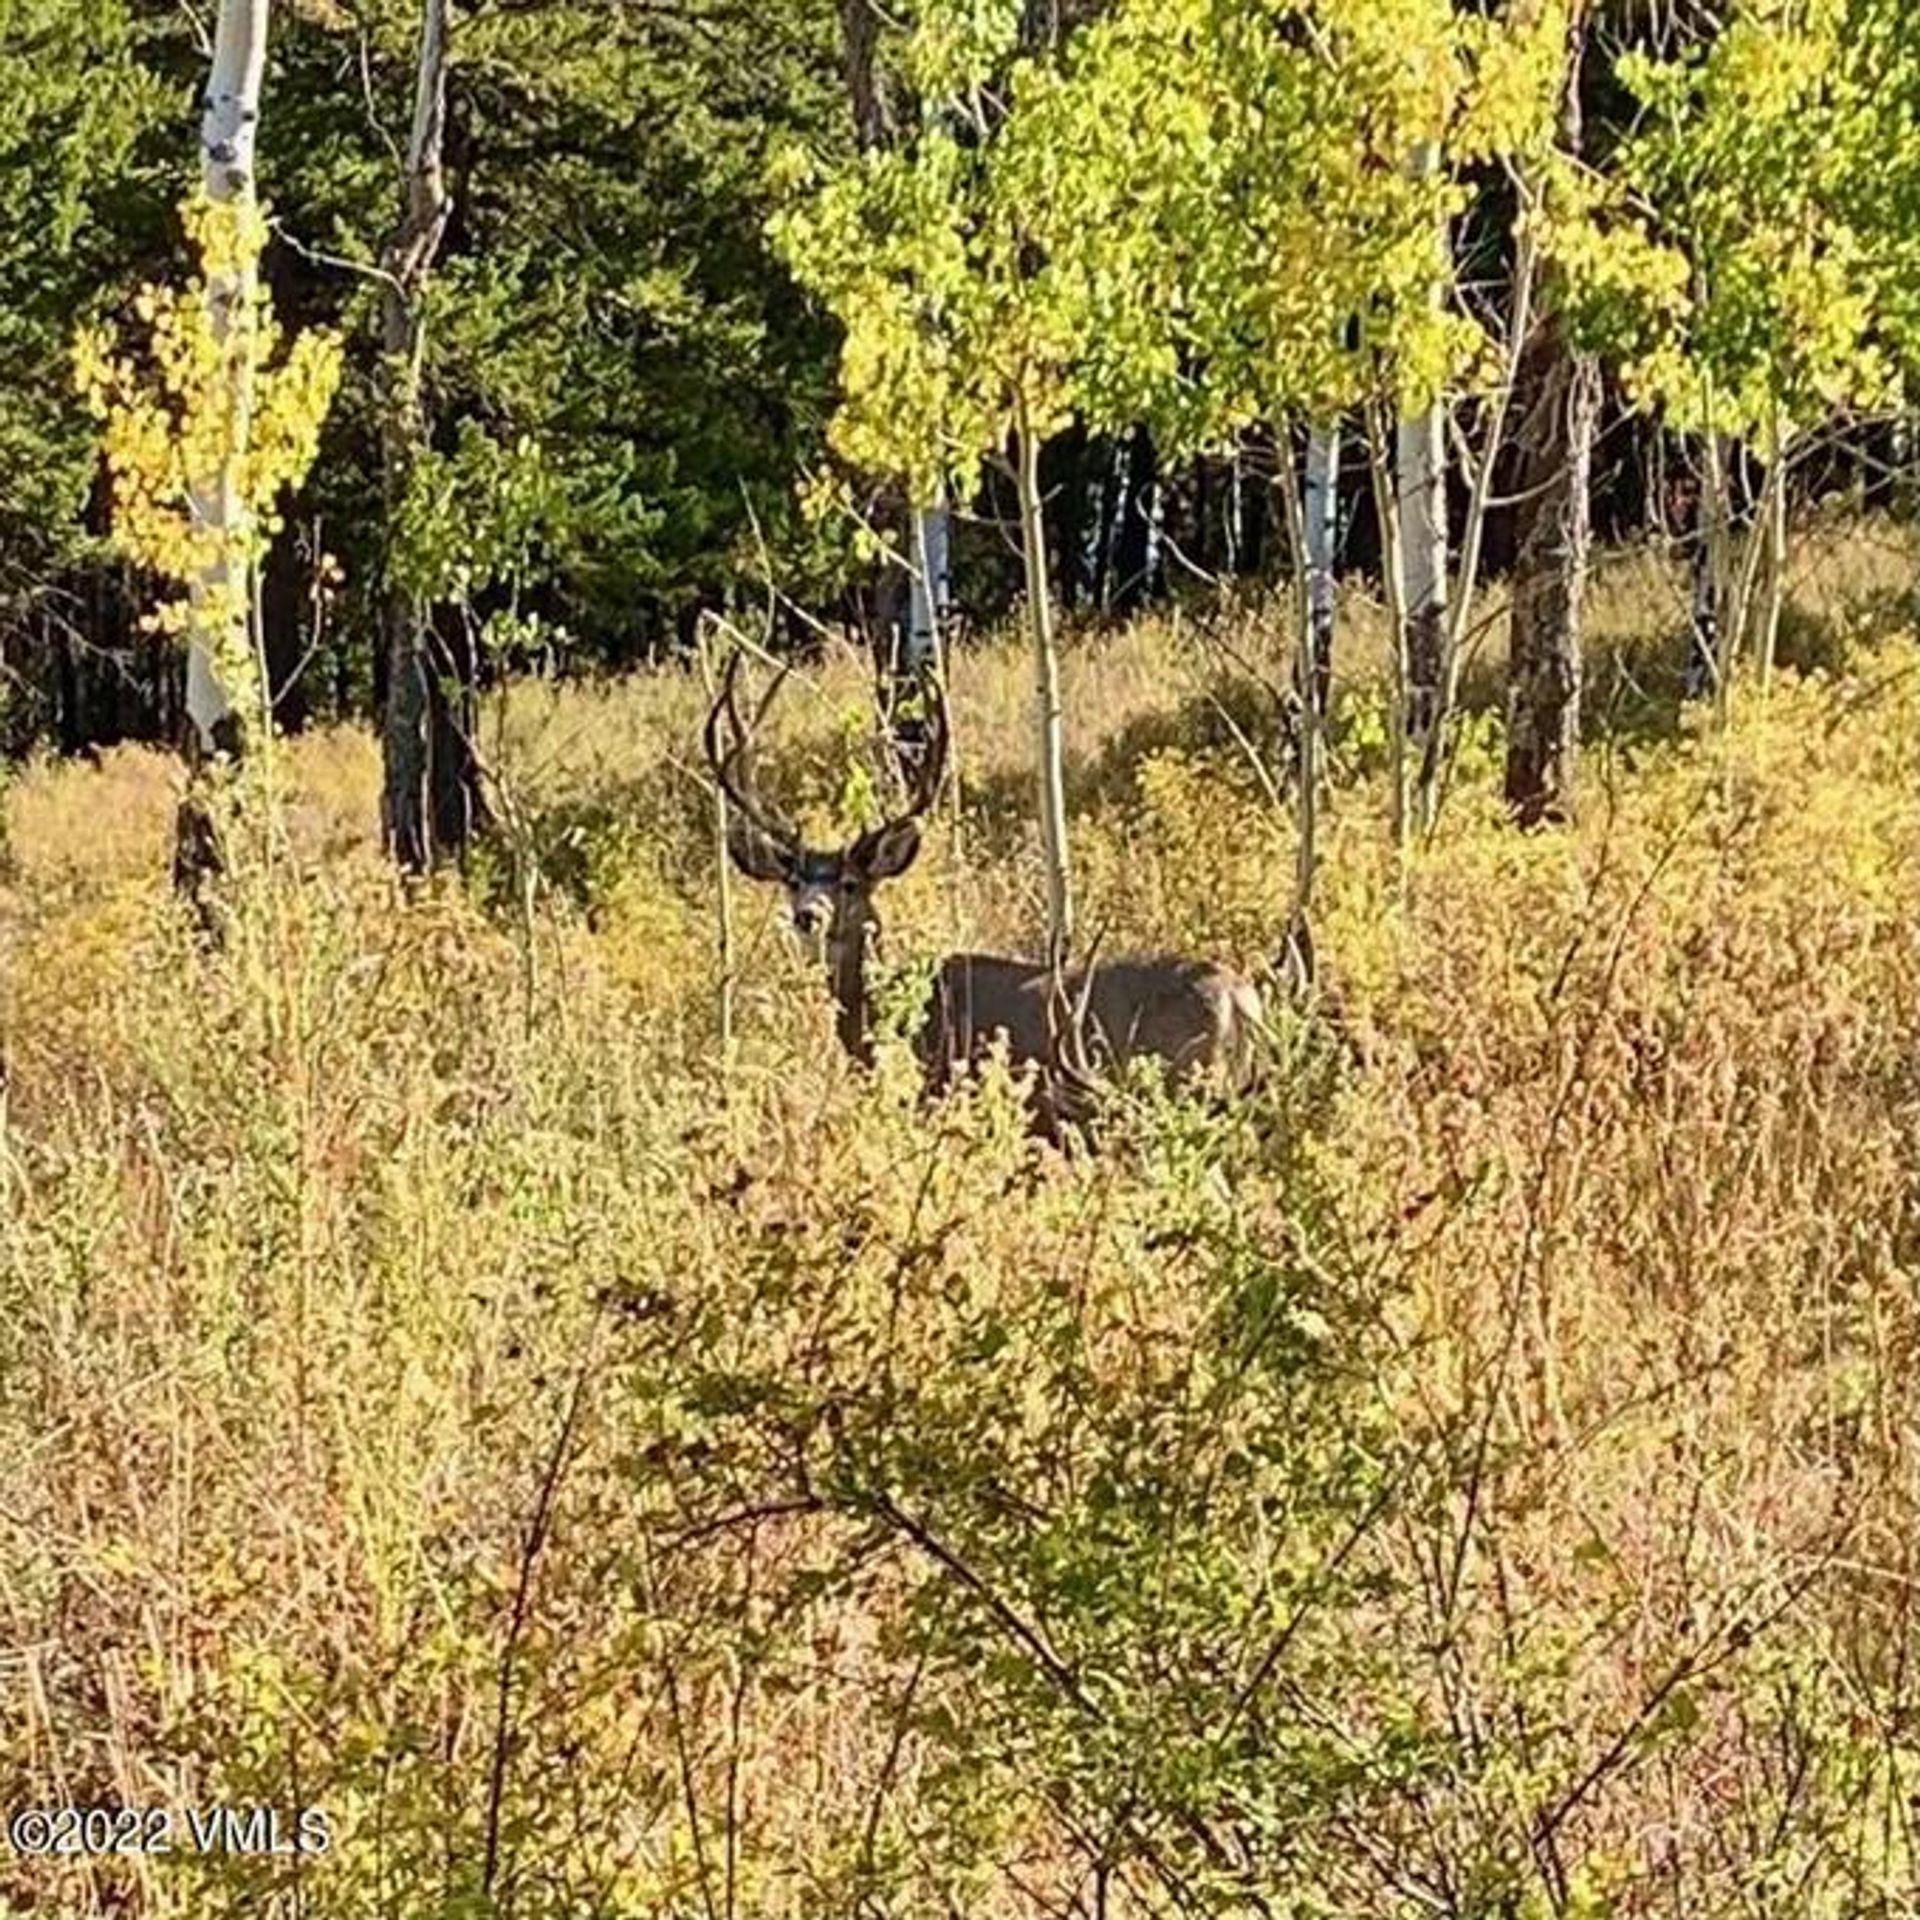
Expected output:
(1561, 404)
(1106, 551)
(1421, 508)
(1421, 524)
(1718, 597)
(219, 633)
(1557, 392)
(1703, 633)
(1773, 531)
(1320, 534)
(229, 129)
(1737, 565)
(1049, 721)
(1134, 546)
(859, 44)
(930, 592)
(456, 797)
(1233, 513)
(426, 757)
(1311, 692)
(1884, 454)
(1200, 544)
(917, 657)
(1393, 576)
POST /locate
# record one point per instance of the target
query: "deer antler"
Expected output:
(929, 768)
(738, 757)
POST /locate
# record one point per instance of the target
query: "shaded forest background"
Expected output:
(627, 390)
(606, 295)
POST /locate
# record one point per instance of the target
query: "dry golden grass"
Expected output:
(437, 1387)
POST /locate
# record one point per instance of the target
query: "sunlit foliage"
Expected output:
(212, 405)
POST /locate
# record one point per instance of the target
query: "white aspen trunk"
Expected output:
(1230, 522)
(1321, 537)
(1773, 573)
(1746, 556)
(1421, 514)
(1703, 662)
(1049, 721)
(1719, 611)
(1735, 566)
(1156, 538)
(1420, 508)
(428, 202)
(1298, 504)
(932, 583)
(1393, 580)
(229, 127)
(1773, 530)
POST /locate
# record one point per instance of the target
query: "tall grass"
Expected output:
(437, 1388)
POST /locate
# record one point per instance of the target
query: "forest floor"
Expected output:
(609, 1471)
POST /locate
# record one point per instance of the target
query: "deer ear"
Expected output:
(754, 854)
(887, 851)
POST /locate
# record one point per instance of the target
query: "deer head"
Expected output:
(829, 890)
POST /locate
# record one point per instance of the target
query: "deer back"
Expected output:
(1189, 1013)
(977, 999)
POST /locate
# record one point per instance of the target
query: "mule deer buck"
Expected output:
(1201, 1020)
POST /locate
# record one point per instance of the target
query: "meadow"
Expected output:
(467, 1366)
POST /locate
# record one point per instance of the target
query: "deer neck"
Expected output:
(853, 927)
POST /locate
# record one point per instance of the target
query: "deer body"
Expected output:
(1199, 1019)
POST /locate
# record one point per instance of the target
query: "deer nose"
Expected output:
(809, 916)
